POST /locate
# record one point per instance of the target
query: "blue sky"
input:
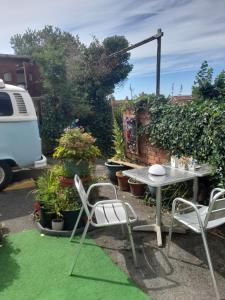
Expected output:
(194, 31)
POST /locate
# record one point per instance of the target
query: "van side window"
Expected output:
(6, 108)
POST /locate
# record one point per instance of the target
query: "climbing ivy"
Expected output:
(195, 129)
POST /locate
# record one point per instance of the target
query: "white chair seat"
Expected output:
(111, 214)
(191, 219)
(200, 219)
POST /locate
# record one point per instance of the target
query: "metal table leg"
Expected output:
(157, 226)
(195, 189)
(158, 215)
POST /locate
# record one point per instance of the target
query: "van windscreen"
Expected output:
(6, 108)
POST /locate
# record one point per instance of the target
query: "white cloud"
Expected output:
(194, 30)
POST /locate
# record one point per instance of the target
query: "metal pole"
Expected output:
(158, 62)
(150, 39)
(157, 36)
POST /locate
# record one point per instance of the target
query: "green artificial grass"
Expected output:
(34, 266)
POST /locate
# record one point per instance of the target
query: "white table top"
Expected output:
(173, 175)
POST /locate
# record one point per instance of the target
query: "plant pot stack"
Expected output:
(58, 200)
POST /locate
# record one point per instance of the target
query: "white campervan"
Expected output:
(20, 143)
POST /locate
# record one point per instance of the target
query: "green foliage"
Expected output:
(219, 87)
(46, 189)
(204, 88)
(76, 80)
(169, 193)
(52, 196)
(118, 110)
(78, 145)
(102, 74)
(118, 142)
(194, 129)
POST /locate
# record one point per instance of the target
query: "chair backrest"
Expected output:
(82, 193)
(216, 210)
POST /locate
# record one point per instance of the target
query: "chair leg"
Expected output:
(79, 247)
(132, 244)
(76, 225)
(170, 236)
(210, 265)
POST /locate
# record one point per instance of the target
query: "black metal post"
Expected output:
(158, 63)
(157, 37)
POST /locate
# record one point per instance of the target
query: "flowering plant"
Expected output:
(77, 145)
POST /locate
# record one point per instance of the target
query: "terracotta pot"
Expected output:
(137, 188)
(122, 181)
(66, 181)
(69, 181)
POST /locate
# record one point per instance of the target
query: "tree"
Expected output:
(76, 80)
(105, 74)
(205, 89)
(219, 87)
(203, 86)
(50, 47)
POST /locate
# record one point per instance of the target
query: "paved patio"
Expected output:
(184, 276)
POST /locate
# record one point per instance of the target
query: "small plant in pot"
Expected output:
(46, 192)
(118, 147)
(78, 152)
(137, 188)
(57, 222)
(55, 202)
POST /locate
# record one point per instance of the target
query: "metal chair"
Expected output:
(103, 213)
(200, 219)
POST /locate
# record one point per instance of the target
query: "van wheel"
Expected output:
(5, 175)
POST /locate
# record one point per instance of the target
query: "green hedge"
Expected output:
(195, 129)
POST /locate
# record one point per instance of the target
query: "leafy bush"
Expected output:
(118, 142)
(78, 145)
(52, 195)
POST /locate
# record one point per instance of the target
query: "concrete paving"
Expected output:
(184, 275)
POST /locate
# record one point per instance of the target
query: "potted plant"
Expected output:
(183, 162)
(57, 222)
(70, 206)
(55, 201)
(45, 195)
(137, 188)
(78, 151)
(122, 181)
(118, 147)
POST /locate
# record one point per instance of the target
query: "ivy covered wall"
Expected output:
(196, 128)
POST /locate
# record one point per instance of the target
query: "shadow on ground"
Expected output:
(9, 269)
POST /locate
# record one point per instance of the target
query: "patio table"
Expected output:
(173, 175)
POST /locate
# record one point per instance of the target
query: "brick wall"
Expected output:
(15, 66)
(147, 154)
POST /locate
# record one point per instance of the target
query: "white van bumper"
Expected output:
(40, 163)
